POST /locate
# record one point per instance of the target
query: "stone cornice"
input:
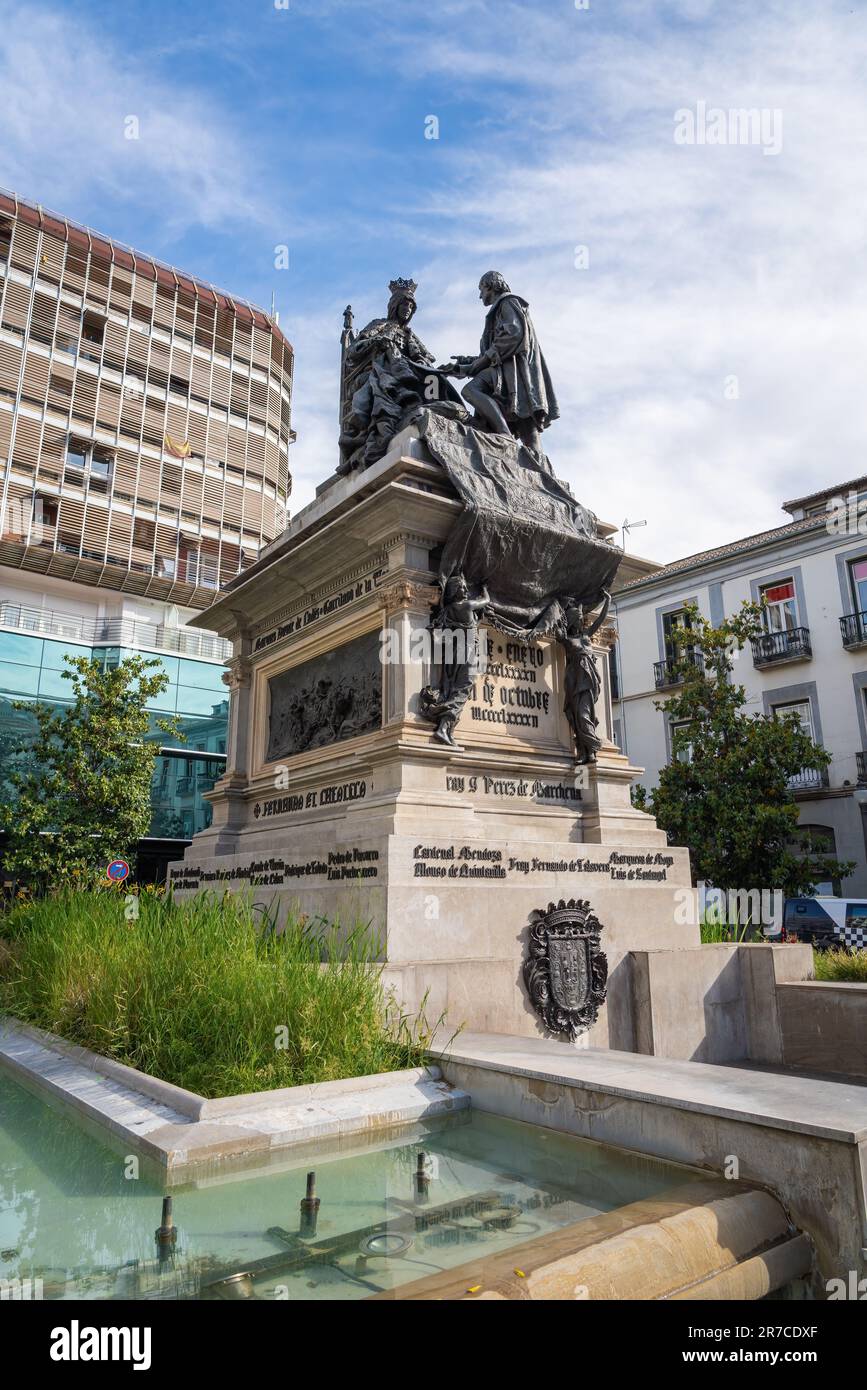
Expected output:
(347, 577)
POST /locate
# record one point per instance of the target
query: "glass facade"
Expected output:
(31, 669)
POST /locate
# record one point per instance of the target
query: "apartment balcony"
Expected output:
(667, 674)
(776, 648)
(861, 764)
(809, 780)
(115, 632)
(853, 630)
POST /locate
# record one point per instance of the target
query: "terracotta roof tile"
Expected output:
(724, 552)
(837, 490)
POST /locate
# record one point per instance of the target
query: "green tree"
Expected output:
(726, 794)
(83, 798)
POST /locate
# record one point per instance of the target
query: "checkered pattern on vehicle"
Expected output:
(855, 937)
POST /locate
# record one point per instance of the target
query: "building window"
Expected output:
(200, 567)
(781, 611)
(682, 751)
(804, 712)
(858, 581)
(612, 673)
(92, 335)
(814, 842)
(84, 460)
(672, 623)
(862, 695)
(44, 520)
(809, 777)
(100, 465)
(76, 455)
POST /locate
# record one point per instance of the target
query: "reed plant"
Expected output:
(206, 992)
(714, 931)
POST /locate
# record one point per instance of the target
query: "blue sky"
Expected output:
(710, 358)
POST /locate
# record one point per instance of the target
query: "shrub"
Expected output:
(843, 965)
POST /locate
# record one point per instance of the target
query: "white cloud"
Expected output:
(705, 262)
(67, 92)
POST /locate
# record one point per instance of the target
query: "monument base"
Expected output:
(451, 911)
(339, 802)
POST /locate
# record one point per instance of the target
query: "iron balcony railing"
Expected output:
(853, 629)
(115, 632)
(790, 645)
(810, 779)
(861, 763)
(667, 673)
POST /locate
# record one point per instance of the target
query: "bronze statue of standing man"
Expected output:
(510, 387)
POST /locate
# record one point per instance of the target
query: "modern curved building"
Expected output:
(144, 415)
(145, 425)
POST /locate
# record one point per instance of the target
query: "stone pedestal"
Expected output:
(445, 852)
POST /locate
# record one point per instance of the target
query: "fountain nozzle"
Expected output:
(422, 1177)
(166, 1234)
(309, 1209)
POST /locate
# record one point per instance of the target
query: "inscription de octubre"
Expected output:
(515, 693)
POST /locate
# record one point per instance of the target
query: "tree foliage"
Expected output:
(726, 794)
(83, 797)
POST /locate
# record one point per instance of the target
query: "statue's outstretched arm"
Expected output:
(602, 615)
(478, 604)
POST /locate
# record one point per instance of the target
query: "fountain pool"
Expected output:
(79, 1216)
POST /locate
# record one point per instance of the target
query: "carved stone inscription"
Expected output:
(299, 622)
(337, 695)
(516, 692)
(467, 861)
(336, 865)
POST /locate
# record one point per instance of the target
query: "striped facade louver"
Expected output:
(108, 360)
